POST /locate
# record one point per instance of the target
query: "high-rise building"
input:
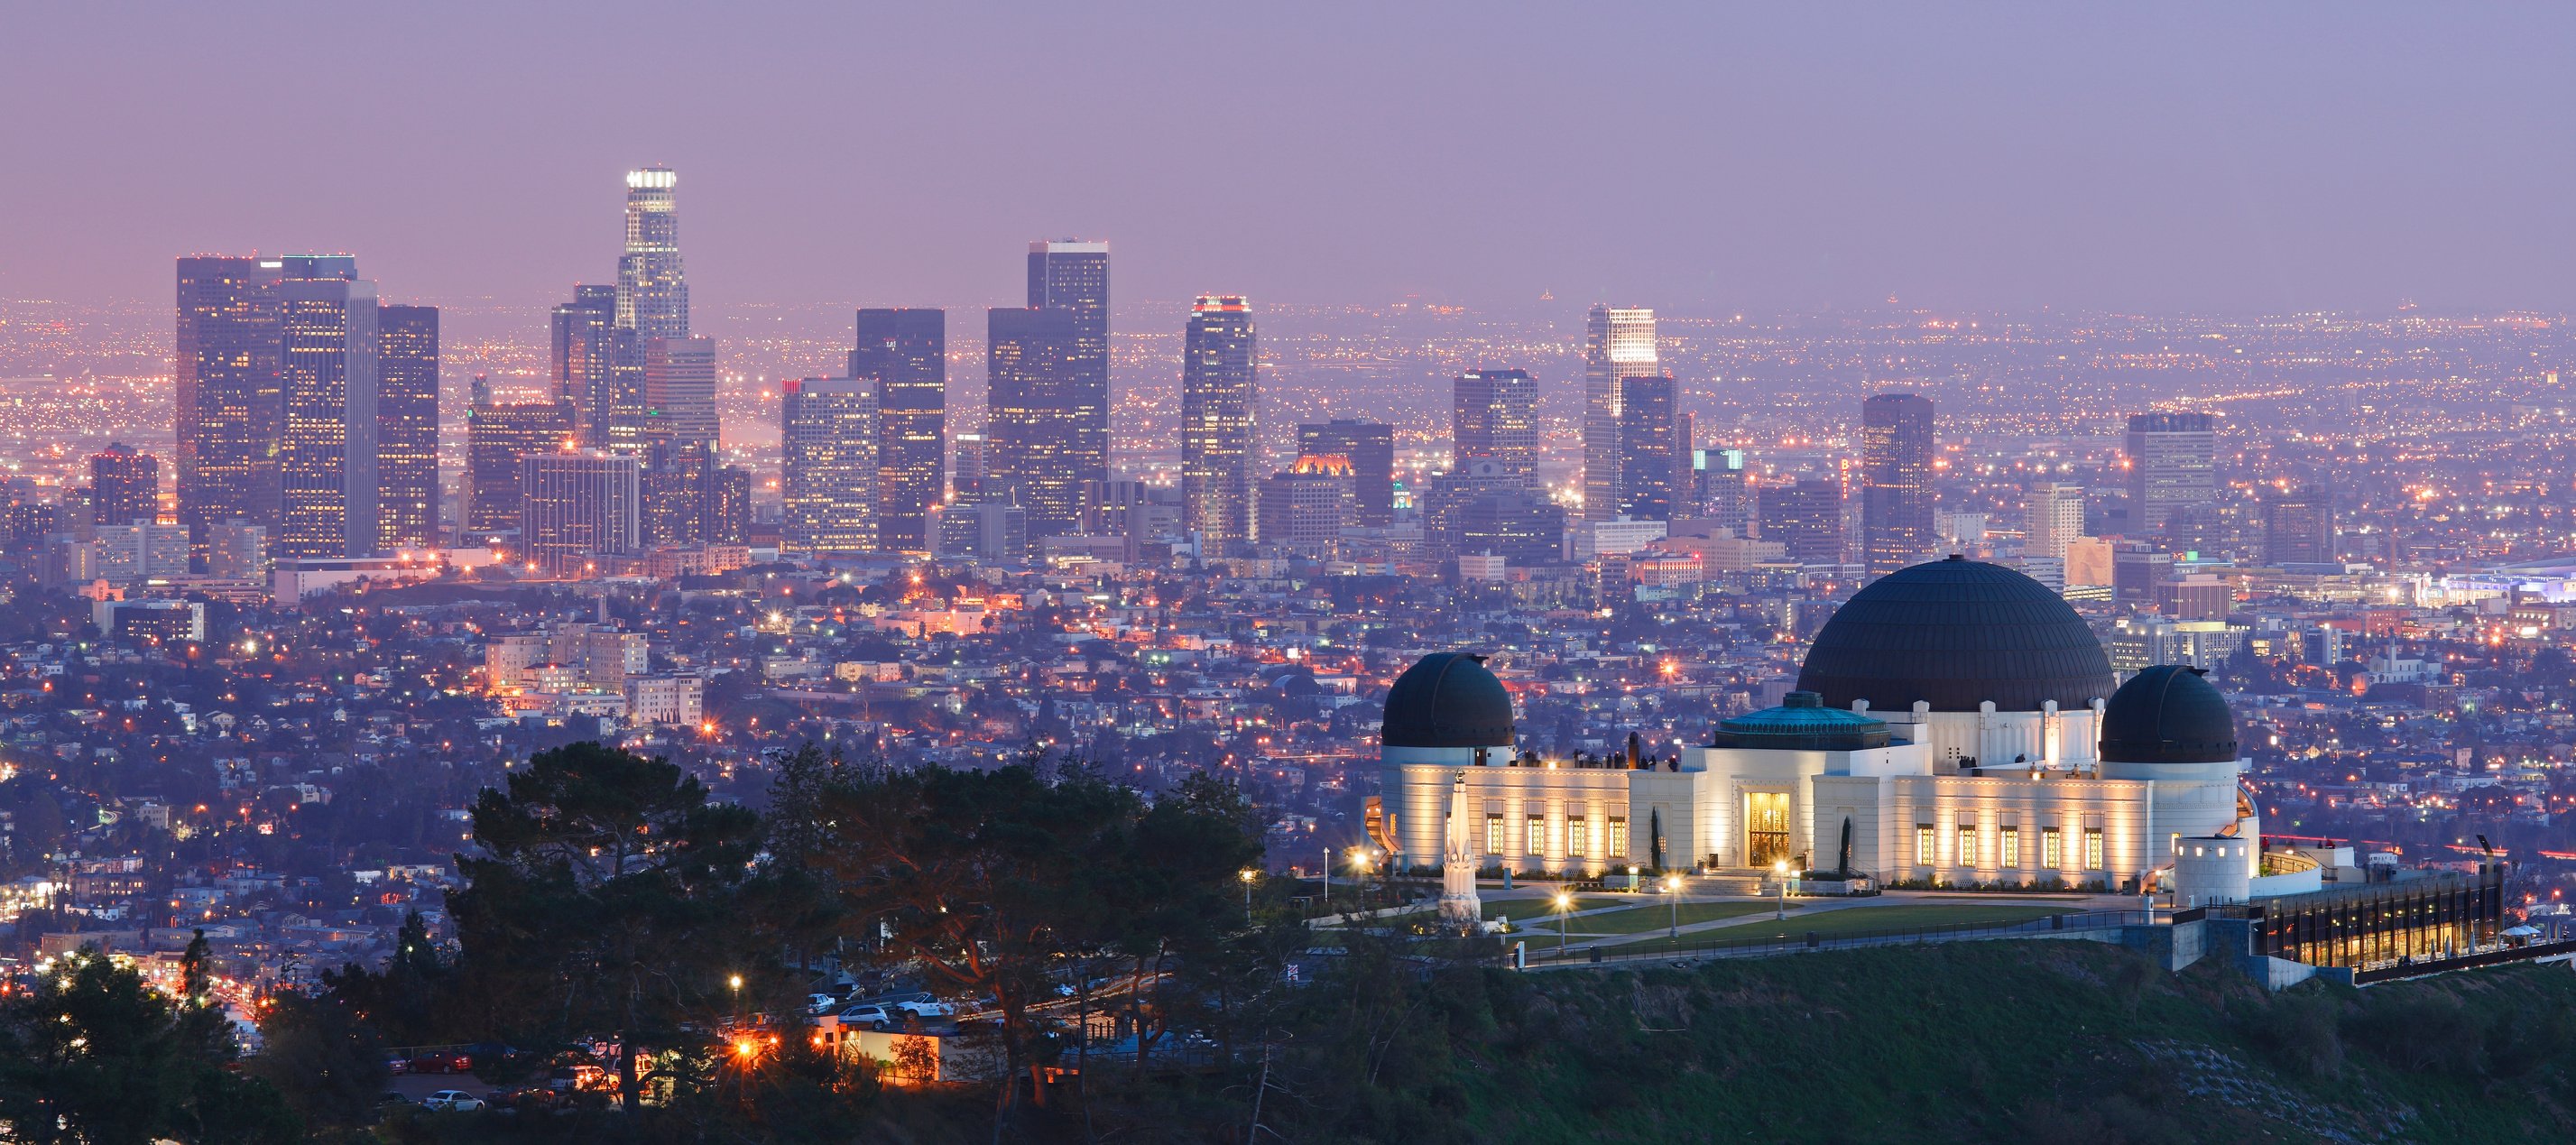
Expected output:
(906, 351)
(828, 442)
(1653, 451)
(2173, 468)
(1895, 481)
(730, 522)
(125, 486)
(579, 506)
(587, 373)
(1370, 446)
(1220, 409)
(406, 427)
(2298, 526)
(327, 364)
(236, 550)
(231, 413)
(1721, 489)
(2052, 517)
(1806, 518)
(652, 295)
(1070, 277)
(1618, 344)
(1045, 421)
(680, 393)
(497, 439)
(970, 470)
(1494, 417)
(1304, 508)
(1485, 507)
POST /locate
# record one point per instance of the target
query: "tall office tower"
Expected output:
(406, 426)
(1651, 470)
(970, 472)
(1618, 344)
(2173, 468)
(236, 550)
(1484, 508)
(652, 296)
(1493, 417)
(1370, 446)
(680, 437)
(730, 522)
(1072, 276)
(1042, 417)
(327, 366)
(230, 412)
(125, 486)
(906, 351)
(584, 365)
(2298, 526)
(1807, 518)
(578, 506)
(497, 439)
(1721, 493)
(1895, 481)
(2052, 517)
(1220, 413)
(828, 442)
(1305, 507)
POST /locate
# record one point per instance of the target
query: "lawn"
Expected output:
(1638, 920)
(1856, 920)
(1526, 910)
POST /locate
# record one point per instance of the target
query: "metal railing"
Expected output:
(1652, 949)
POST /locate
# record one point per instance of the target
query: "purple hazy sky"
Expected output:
(1681, 155)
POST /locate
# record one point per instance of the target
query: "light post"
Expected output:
(1248, 875)
(1780, 870)
(1359, 877)
(1673, 894)
(1564, 906)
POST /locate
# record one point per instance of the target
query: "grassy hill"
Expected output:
(1979, 1041)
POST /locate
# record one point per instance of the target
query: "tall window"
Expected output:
(1618, 836)
(2093, 849)
(1536, 839)
(2052, 851)
(1968, 844)
(1493, 834)
(1578, 835)
(2009, 842)
(1922, 844)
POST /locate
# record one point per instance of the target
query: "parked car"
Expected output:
(820, 1003)
(926, 1008)
(584, 1078)
(871, 1015)
(452, 1101)
(442, 1061)
(396, 1063)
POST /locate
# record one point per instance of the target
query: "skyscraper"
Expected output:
(1046, 422)
(497, 439)
(230, 411)
(2298, 526)
(828, 442)
(2173, 468)
(584, 367)
(652, 295)
(1494, 417)
(680, 437)
(1806, 517)
(1895, 481)
(328, 361)
(125, 486)
(2052, 517)
(577, 506)
(906, 351)
(1370, 446)
(1618, 344)
(1220, 410)
(1071, 277)
(406, 426)
(1653, 463)
(1305, 507)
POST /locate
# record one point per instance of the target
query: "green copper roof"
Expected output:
(1802, 722)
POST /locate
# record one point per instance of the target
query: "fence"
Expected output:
(1713, 947)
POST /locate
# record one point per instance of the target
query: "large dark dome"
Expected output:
(2168, 714)
(1956, 633)
(1447, 699)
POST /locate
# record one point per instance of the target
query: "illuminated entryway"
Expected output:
(1766, 827)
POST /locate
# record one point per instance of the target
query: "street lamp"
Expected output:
(1248, 875)
(1673, 894)
(1564, 904)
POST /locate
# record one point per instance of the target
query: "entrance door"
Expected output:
(1766, 827)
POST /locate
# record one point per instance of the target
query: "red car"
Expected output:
(441, 1061)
